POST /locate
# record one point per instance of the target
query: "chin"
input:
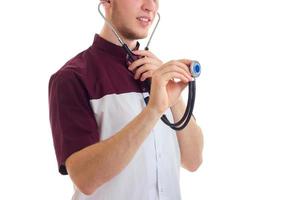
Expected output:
(135, 34)
(142, 35)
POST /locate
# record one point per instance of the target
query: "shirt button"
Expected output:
(143, 89)
(161, 190)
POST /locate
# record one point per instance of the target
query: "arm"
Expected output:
(190, 139)
(94, 165)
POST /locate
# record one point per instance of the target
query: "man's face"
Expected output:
(131, 17)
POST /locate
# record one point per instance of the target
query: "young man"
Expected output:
(113, 145)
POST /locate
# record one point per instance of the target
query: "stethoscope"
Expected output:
(195, 69)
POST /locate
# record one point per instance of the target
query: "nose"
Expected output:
(149, 5)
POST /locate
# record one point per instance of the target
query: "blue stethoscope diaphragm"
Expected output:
(195, 69)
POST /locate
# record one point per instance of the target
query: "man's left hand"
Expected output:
(143, 68)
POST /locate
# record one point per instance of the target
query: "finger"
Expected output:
(184, 66)
(179, 64)
(142, 61)
(185, 61)
(176, 68)
(144, 68)
(146, 75)
(171, 75)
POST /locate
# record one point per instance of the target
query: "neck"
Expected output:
(109, 35)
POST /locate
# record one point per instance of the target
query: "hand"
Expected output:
(165, 92)
(143, 68)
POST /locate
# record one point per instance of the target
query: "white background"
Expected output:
(247, 96)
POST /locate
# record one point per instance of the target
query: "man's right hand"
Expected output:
(165, 92)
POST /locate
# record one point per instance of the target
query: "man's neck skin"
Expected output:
(109, 35)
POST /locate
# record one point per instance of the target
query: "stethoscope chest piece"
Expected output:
(195, 69)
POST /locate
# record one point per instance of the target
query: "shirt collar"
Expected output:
(111, 48)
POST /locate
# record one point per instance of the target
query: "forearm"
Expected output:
(94, 165)
(190, 139)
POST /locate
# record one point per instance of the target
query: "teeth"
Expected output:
(143, 19)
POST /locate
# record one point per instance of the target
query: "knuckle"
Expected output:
(138, 72)
(148, 66)
(150, 73)
(145, 59)
(174, 67)
(173, 73)
(144, 76)
(150, 53)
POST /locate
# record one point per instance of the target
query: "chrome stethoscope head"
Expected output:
(115, 31)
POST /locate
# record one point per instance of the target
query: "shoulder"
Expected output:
(62, 76)
(82, 72)
(73, 70)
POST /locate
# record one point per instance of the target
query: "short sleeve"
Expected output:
(72, 120)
